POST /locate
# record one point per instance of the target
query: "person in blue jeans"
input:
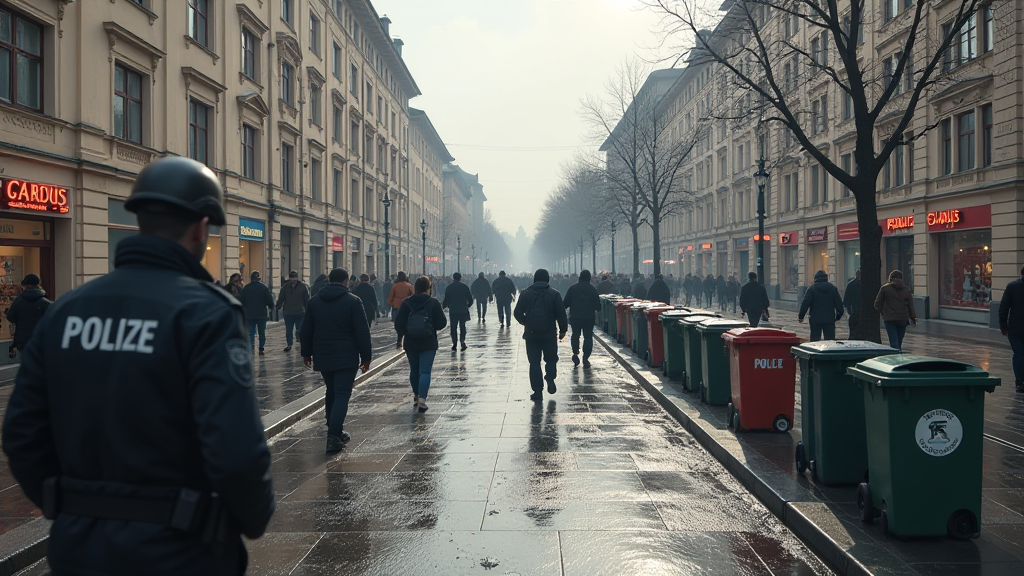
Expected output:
(257, 301)
(895, 303)
(292, 300)
(1011, 324)
(420, 349)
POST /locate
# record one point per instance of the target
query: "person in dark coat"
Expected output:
(1011, 324)
(420, 351)
(292, 300)
(336, 343)
(660, 291)
(540, 324)
(26, 310)
(583, 303)
(825, 305)
(639, 288)
(754, 300)
(504, 294)
(732, 292)
(720, 286)
(258, 302)
(319, 283)
(235, 285)
(625, 288)
(851, 301)
(709, 289)
(483, 294)
(368, 296)
(385, 291)
(458, 299)
(687, 287)
(606, 286)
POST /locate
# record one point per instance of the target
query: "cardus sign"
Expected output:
(33, 196)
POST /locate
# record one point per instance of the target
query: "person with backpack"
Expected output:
(418, 320)
(458, 299)
(483, 294)
(26, 310)
(540, 310)
(504, 293)
(583, 301)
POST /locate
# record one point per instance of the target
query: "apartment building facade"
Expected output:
(428, 156)
(950, 200)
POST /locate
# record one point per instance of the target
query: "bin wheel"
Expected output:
(864, 503)
(801, 458)
(883, 521)
(781, 423)
(729, 411)
(961, 524)
(736, 421)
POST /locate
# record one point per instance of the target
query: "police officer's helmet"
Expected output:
(180, 182)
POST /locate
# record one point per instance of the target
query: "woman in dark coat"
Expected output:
(720, 288)
(709, 290)
(420, 351)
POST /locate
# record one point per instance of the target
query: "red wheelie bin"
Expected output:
(655, 338)
(622, 319)
(763, 379)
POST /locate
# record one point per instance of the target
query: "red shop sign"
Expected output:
(847, 231)
(337, 244)
(960, 218)
(689, 248)
(898, 223)
(705, 246)
(816, 235)
(788, 238)
(33, 196)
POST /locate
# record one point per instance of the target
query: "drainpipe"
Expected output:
(269, 164)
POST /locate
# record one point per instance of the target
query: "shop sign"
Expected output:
(33, 196)
(689, 248)
(434, 259)
(706, 246)
(742, 243)
(817, 235)
(898, 223)
(723, 246)
(788, 238)
(254, 230)
(337, 243)
(960, 218)
(848, 231)
(22, 230)
(353, 244)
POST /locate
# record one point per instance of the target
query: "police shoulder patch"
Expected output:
(240, 362)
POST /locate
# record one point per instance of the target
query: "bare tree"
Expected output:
(752, 48)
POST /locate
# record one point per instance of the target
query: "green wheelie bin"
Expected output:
(691, 350)
(714, 386)
(834, 445)
(924, 419)
(672, 333)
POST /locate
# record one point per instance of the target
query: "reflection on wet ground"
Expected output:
(596, 479)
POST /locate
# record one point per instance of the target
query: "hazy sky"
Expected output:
(502, 81)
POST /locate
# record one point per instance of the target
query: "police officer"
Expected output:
(133, 422)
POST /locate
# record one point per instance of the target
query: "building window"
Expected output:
(198, 11)
(337, 123)
(354, 139)
(248, 152)
(21, 61)
(847, 106)
(337, 191)
(354, 196)
(963, 45)
(846, 163)
(353, 81)
(314, 105)
(965, 142)
(986, 135)
(286, 11)
(127, 104)
(898, 165)
(314, 180)
(965, 268)
(314, 34)
(287, 161)
(946, 133)
(249, 52)
(989, 29)
(369, 98)
(287, 78)
(336, 55)
(198, 123)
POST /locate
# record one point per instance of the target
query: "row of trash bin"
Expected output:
(916, 423)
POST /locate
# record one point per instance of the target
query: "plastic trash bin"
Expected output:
(672, 334)
(714, 360)
(607, 313)
(638, 333)
(762, 379)
(691, 350)
(622, 319)
(610, 320)
(924, 420)
(655, 336)
(834, 444)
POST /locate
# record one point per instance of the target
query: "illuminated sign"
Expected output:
(705, 246)
(767, 237)
(946, 218)
(689, 248)
(900, 222)
(33, 196)
(337, 244)
(788, 238)
(960, 218)
(254, 230)
(816, 235)
(433, 259)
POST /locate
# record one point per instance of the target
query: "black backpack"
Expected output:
(420, 325)
(538, 319)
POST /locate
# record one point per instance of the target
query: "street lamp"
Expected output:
(761, 178)
(472, 248)
(487, 260)
(613, 248)
(386, 201)
(423, 227)
(458, 253)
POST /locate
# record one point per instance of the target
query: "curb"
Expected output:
(27, 543)
(805, 528)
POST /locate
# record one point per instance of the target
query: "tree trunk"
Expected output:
(636, 249)
(870, 261)
(656, 241)
(593, 255)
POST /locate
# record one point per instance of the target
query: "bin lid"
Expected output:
(656, 311)
(761, 336)
(909, 370)
(842, 350)
(720, 325)
(693, 319)
(622, 303)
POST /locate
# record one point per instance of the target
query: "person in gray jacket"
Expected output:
(258, 302)
(292, 300)
(583, 303)
(825, 306)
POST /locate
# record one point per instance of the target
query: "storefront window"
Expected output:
(790, 269)
(899, 255)
(817, 259)
(851, 259)
(965, 269)
(211, 260)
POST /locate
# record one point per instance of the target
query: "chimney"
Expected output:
(398, 45)
(386, 23)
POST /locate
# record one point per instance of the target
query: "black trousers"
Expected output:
(535, 348)
(456, 326)
(586, 327)
(823, 329)
(753, 317)
(481, 309)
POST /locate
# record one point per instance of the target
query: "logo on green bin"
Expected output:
(939, 432)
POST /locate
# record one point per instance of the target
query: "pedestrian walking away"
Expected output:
(400, 290)
(418, 320)
(825, 305)
(625, 288)
(688, 288)
(26, 311)
(319, 283)
(754, 300)
(541, 312)
(382, 297)
(720, 287)
(336, 343)
(458, 299)
(1011, 324)
(504, 294)
(292, 301)
(583, 303)
(606, 286)
(109, 436)
(257, 301)
(483, 294)
(896, 305)
(732, 292)
(368, 296)
(639, 288)
(659, 292)
(851, 301)
(235, 285)
(709, 290)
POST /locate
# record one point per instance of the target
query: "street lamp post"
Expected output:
(487, 262)
(613, 248)
(458, 253)
(761, 178)
(423, 227)
(472, 249)
(386, 201)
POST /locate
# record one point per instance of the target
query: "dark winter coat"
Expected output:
(25, 312)
(823, 301)
(709, 287)
(293, 299)
(319, 283)
(257, 300)
(895, 304)
(1011, 309)
(606, 287)
(625, 288)
(660, 292)
(851, 298)
(640, 291)
(365, 292)
(753, 298)
(550, 299)
(720, 287)
(732, 289)
(582, 300)
(335, 332)
(504, 290)
(481, 289)
(458, 300)
(433, 309)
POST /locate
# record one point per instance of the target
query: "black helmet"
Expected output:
(180, 182)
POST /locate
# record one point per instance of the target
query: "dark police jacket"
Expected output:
(25, 312)
(335, 331)
(457, 299)
(582, 301)
(504, 290)
(141, 382)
